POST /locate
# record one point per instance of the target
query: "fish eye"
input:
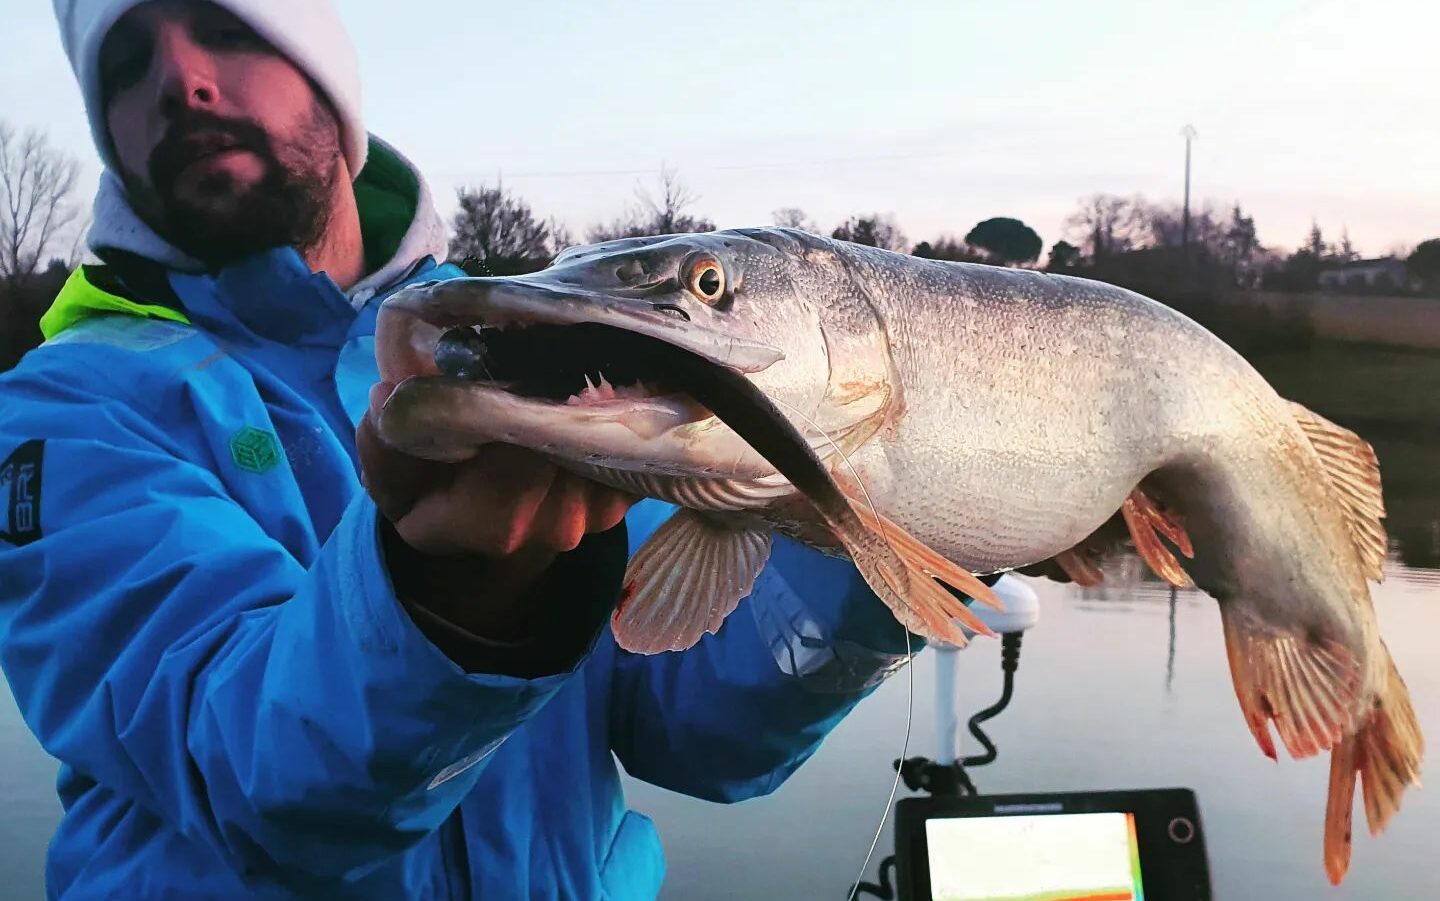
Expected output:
(705, 278)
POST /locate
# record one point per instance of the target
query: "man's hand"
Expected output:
(477, 534)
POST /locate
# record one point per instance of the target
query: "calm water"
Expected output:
(1099, 704)
(1104, 700)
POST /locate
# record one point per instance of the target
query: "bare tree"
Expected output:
(667, 211)
(80, 228)
(1400, 250)
(662, 214)
(36, 182)
(560, 236)
(1166, 224)
(794, 217)
(499, 233)
(1346, 251)
(1107, 224)
(875, 230)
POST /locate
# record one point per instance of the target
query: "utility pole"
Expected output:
(1189, 134)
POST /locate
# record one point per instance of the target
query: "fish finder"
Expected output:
(1078, 846)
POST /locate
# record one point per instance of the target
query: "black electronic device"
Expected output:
(1072, 846)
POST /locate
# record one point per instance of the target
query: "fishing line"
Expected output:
(909, 651)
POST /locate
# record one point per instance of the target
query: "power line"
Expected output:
(783, 164)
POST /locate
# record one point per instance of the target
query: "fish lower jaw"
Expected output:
(649, 415)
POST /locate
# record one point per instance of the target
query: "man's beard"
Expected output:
(288, 207)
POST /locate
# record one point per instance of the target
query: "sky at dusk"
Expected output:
(940, 113)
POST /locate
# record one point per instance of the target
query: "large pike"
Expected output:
(956, 418)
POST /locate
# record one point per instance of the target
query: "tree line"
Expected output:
(1133, 241)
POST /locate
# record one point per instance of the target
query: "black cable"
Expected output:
(1009, 662)
(921, 774)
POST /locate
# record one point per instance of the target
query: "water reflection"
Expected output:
(1170, 656)
(1391, 398)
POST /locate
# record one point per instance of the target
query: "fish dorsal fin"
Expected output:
(1354, 478)
(684, 580)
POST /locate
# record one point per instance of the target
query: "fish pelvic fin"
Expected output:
(1084, 563)
(1309, 690)
(1147, 520)
(1079, 567)
(1353, 476)
(1385, 755)
(902, 571)
(918, 555)
(684, 580)
(919, 602)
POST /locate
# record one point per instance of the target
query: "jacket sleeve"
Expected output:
(157, 641)
(734, 716)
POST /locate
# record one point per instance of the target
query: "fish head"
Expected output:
(579, 360)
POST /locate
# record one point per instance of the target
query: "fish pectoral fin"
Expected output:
(684, 580)
(1310, 690)
(1353, 474)
(1145, 518)
(1385, 754)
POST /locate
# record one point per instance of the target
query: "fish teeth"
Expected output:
(605, 390)
(601, 390)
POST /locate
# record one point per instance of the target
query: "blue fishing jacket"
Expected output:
(197, 622)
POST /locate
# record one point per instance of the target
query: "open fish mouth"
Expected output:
(412, 322)
(586, 364)
(591, 378)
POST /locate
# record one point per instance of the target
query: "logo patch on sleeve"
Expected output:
(20, 494)
(254, 450)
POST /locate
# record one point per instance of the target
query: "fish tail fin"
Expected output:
(1339, 805)
(902, 571)
(1385, 755)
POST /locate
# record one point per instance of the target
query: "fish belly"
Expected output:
(1024, 421)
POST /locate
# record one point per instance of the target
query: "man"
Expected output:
(261, 679)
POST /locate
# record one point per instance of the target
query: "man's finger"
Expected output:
(489, 507)
(565, 518)
(394, 479)
(607, 506)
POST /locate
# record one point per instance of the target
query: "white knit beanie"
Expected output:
(309, 32)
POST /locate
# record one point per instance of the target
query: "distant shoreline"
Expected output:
(1252, 317)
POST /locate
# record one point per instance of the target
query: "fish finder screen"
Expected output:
(1050, 857)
